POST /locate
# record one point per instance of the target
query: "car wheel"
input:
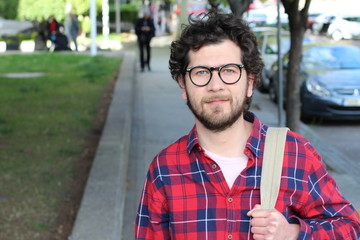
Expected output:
(272, 91)
(263, 87)
(306, 118)
(337, 35)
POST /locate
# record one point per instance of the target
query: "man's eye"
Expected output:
(201, 72)
(228, 70)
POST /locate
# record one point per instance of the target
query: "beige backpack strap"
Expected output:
(272, 166)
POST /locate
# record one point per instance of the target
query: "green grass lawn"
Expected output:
(44, 125)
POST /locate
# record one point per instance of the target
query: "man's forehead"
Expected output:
(220, 53)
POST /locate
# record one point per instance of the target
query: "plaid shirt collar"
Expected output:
(253, 141)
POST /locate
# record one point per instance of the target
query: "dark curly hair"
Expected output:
(211, 28)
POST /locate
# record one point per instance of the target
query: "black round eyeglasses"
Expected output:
(229, 73)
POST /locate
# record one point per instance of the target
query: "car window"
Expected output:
(330, 58)
(319, 58)
(347, 57)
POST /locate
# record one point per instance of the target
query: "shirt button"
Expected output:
(214, 166)
(230, 199)
(230, 236)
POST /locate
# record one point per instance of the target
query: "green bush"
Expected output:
(8, 9)
(84, 22)
(33, 35)
(12, 38)
(128, 13)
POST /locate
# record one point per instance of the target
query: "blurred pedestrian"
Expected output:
(42, 30)
(52, 28)
(61, 41)
(74, 29)
(145, 31)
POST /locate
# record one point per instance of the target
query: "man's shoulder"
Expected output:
(297, 137)
(298, 143)
(172, 159)
(177, 148)
(294, 141)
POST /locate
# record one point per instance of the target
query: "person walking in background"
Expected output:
(61, 41)
(52, 28)
(145, 31)
(206, 185)
(74, 29)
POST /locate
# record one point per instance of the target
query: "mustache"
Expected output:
(216, 97)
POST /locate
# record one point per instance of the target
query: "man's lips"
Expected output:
(216, 100)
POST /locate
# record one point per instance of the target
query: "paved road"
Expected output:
(345, 135)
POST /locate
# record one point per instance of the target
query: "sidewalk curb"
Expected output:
(100, 216)
(331, 155)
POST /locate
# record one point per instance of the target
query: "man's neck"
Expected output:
(228, 143)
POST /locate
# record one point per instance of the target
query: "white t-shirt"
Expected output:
(230, 166)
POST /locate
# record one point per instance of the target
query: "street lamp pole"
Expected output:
(280, 87)
(93, 49)
(105, 22)
(117, 16)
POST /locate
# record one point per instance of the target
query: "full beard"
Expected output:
(214, 120)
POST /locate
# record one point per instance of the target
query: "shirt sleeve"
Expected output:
(152, 221)
(326, 214)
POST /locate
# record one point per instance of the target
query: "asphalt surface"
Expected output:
(147, 114)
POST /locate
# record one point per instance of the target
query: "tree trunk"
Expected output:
(214, 5)
(239, 7)
(297, 24)
(293, 81)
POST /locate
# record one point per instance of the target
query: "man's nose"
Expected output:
(215, 83)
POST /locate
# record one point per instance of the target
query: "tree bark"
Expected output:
(297, 25)
(214, 5)
(238, 7)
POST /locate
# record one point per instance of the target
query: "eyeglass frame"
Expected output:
(211, 69)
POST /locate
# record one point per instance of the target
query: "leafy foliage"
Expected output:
(42, 9)
(128, 12)
(30, 9)
(8, 8)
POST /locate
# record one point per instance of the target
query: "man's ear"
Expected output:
(181, 82)
(250, 90)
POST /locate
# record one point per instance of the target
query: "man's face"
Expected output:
(217, 105)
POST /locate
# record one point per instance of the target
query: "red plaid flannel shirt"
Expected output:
(186, 196)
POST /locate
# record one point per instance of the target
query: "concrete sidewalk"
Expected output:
(146, 114)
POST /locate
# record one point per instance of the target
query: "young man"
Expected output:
(207, 184)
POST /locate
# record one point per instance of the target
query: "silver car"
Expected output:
(267, 39)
